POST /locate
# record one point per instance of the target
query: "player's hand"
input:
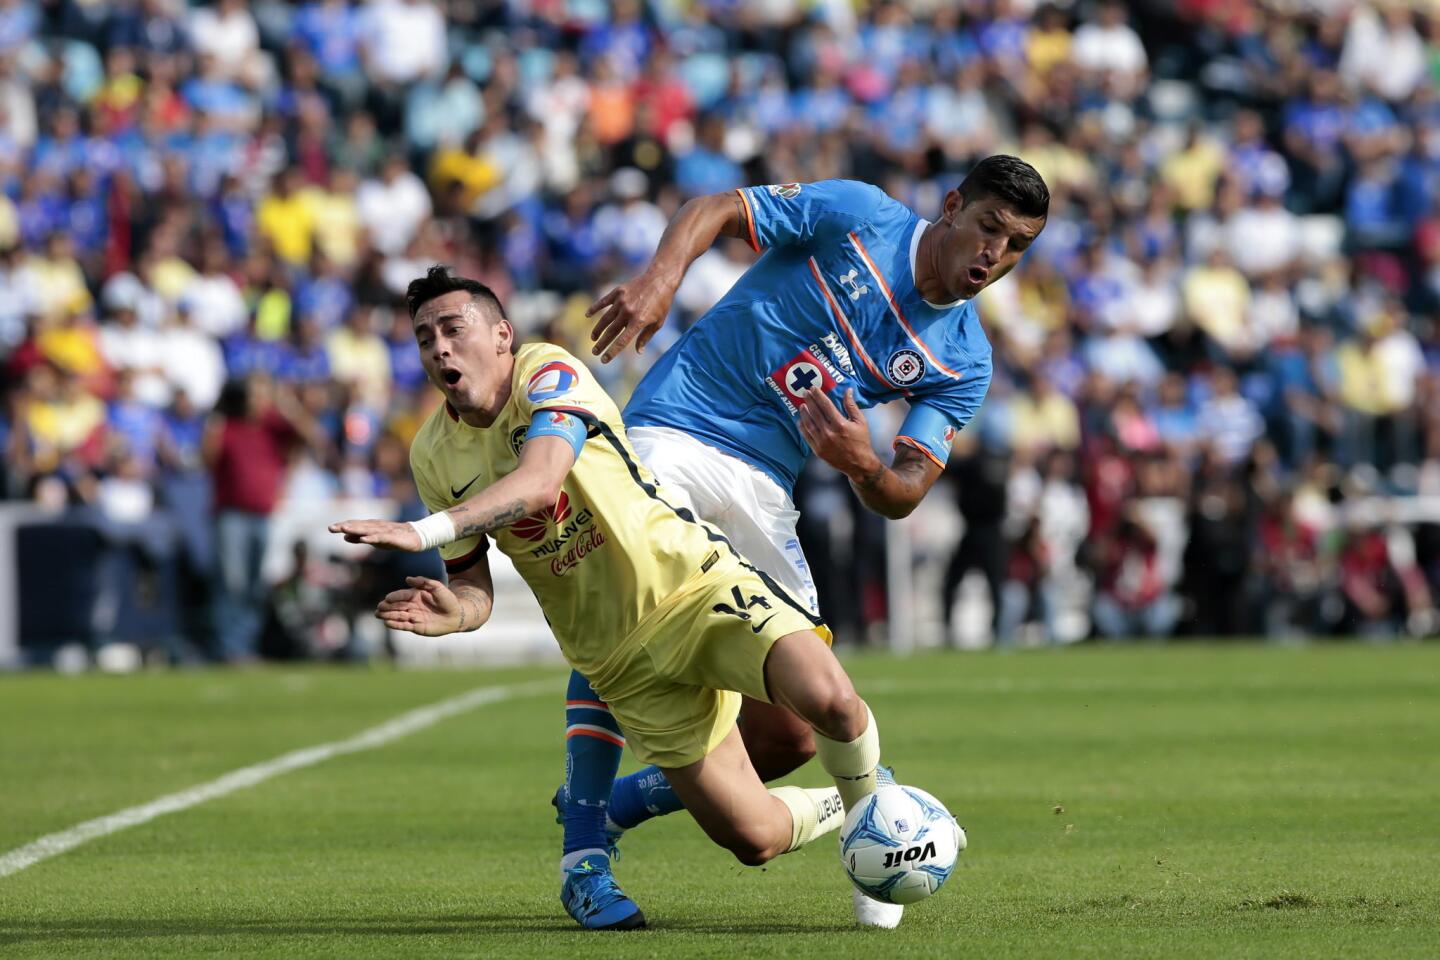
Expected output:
(632, 311)
(840, 439)
(382, 534)
(426, 607)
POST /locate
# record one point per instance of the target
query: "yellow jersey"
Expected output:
(604, 558)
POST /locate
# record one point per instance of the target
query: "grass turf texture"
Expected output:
(1183, 802)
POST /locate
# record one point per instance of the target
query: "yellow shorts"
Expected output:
(676, 692)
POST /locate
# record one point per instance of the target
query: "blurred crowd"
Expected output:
(1216, 371)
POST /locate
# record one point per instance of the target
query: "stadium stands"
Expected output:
(1225, 339)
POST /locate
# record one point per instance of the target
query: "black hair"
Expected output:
(439, 281)
(1010, 180)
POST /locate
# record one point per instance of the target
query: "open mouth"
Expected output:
(451, 377)
(978, 275)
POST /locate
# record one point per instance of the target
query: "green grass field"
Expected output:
(1183, 802)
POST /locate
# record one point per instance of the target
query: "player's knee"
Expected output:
(754, 848)
(841, 713)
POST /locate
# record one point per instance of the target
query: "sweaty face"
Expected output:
(465, 352)
(983, 241)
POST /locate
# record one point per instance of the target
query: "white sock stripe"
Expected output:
(596, 728)
(405, 724)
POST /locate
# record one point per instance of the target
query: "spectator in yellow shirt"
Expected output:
(1048, 42)
(1044, 419)
(336, 217)
(1193, 172)
(1217, 298)
(286, 218)
(359, 356)
(61, 418)
(59, 280)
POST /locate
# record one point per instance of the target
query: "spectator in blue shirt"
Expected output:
(325, 295)
(706, 168)
(211, 92)
(405, 367)
(1373, 218)
(304, 359)
(330, 30)
(138, 427)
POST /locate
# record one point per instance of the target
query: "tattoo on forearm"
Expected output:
(871, 479)
(469, 523)
(740, 229)
(468, 592)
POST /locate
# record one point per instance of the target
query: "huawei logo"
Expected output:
(537, 525)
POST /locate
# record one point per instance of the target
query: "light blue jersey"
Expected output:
(833, 304)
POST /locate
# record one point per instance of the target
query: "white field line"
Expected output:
(405, 724)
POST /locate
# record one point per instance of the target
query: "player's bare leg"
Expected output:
(779, 743)
(728, 801)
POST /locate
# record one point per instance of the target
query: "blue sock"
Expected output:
(640, 796)
(593, 744)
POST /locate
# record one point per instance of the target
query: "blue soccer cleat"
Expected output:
(591, 895)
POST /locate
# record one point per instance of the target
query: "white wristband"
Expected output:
(435, 530)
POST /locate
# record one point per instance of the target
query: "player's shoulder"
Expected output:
(536, 361)
(855, 196)
(968, 337)
(964, 355)
(530, 357)
(546, 373)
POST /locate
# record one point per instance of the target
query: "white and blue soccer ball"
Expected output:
(899, 844)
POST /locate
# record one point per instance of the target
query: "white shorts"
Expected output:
(748, 506)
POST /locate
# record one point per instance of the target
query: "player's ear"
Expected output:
(954, 203)
(504, 337)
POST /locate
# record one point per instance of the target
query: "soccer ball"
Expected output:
(899, 844)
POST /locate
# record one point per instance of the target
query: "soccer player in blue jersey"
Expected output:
(856, 301)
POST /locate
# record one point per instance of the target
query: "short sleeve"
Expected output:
(794, 214)
(462, 554)
(554, 380)
(933, 420)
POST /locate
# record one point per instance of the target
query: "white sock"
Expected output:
(852, 764)
(570, 859)
(813, 813)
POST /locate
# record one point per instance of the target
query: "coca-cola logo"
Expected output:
(537, 525)
(590, 540)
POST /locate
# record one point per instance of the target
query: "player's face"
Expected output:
(466, 353)
(983, 241)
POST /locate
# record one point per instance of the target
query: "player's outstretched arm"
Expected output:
(434, 609)
(843, 441)
(636, 309)
(533, 485)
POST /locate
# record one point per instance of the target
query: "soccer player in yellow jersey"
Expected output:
(669, 623)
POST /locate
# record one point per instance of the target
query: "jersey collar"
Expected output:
(920, 226)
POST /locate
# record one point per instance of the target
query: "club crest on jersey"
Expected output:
(785, 191)
(808, 369)
(905, 367)
(554, 379)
